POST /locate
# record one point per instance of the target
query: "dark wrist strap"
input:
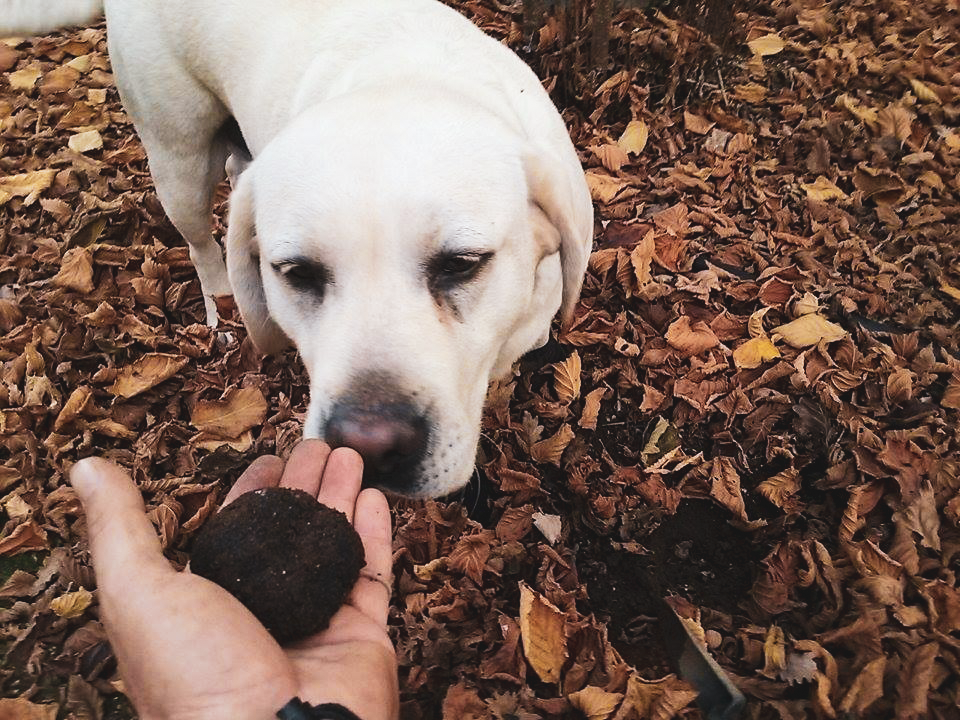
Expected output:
(297, 709)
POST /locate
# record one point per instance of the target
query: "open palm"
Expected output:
(188, 649)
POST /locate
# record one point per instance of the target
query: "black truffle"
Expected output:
(289, 559)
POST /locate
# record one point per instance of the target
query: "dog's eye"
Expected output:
(454, 269)
(304, 275)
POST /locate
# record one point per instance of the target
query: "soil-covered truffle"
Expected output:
(289, 559)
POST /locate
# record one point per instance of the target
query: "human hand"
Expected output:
(186, 648)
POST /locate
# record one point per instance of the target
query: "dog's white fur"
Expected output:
(382, 134)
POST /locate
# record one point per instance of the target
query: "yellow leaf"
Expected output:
(754, 352)
(774, 652)
(822, 189)
(26, 185)
(146, 372)
(23, 80)
(240, 410)
(72, 604)
(923, 92)
(85, 141)
(809, 330)
(769, 44)
(551, 449)
(634, 138)
(594, 703)
(543, 631)
(950, 290)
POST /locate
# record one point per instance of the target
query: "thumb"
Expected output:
(122, 539)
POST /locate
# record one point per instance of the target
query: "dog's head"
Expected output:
(411, 253)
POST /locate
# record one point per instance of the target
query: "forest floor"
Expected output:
(747, 442)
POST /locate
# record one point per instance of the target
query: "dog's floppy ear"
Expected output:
(243, 268)
(561, 193)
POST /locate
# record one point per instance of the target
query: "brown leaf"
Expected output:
(866, 688)
(900, 385)
(656, 699)
(881, 185)
(782, 486)
(591, 408)
(470, 554)
(76, 271)
(551, 449)
(543, 632)
(691, 339)
(896, 120)
(566, 378)
(146, 372)
(641, 258)
(594, 703)
(914, 681)
(725, 487)
(20, 709)
(239, 410)
(24, 538)
(75, 406)
(696, 123)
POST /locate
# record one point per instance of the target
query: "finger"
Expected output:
(263, 472)
(371, 594)
(305, 466)
(123, 542)
(341, 481)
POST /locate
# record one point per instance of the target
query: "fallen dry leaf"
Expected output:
(634, 137)
(543, 632)
(146, 372)
(238, 411)
(72, 604)
(809, 330)
(769, 44)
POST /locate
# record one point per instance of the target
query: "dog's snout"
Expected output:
(391, 438)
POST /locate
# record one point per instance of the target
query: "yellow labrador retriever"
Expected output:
(408, 209)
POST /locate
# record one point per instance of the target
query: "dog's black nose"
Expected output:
(391, 438)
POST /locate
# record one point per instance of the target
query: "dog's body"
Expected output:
(408, 208)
